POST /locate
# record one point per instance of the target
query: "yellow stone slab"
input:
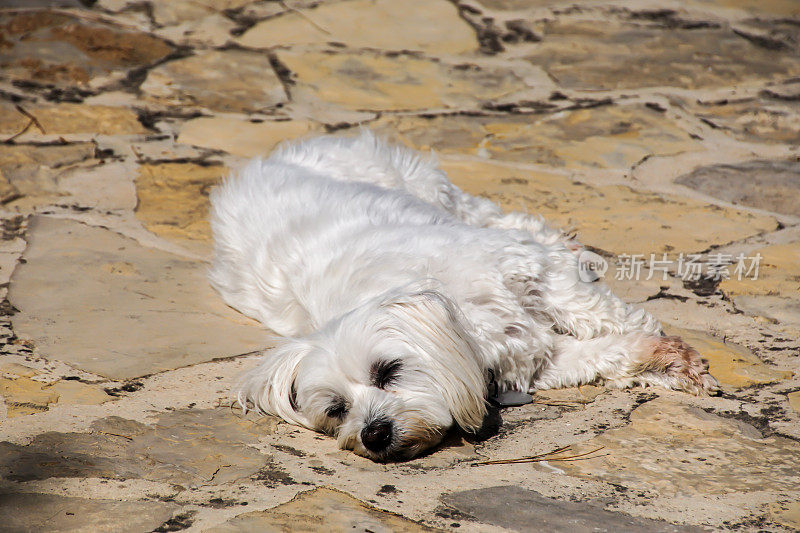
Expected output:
(599, 137)
(243, 138)
(368, 81)
(24, 396)
(778, 274)
(617, 219)
(75, 392)
(431, 26)
(794, 400)
(14, 370)
(570, 395)
(731, 364)
(775, 292)
(173, 199)
(70, 118)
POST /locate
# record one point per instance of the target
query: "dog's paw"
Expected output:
(680, 365)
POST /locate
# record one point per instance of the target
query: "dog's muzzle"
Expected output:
(377, 435)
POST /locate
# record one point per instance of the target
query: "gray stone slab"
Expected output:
(55, 514)
(526, 510)
(631, 52)
(187, 447)
(765, 184)
(784, 310)
(34, 171)
(101, 302)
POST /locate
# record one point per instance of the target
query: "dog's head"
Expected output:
(387, 379)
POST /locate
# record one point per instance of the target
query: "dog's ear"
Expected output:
(437, 326)
(270, 387)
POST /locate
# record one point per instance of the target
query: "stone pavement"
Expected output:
(649, 127)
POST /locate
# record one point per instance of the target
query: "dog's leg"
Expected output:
(601, 337)
(625, 360)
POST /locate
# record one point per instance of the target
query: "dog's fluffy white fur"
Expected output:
(396, 293)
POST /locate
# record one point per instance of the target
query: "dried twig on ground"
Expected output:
(547, 456)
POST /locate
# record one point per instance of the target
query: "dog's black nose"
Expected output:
(377, 436)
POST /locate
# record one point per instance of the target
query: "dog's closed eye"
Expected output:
(338, 408)
(384, 372)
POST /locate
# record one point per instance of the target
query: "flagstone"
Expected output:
(777, 8)
(783, 310)
(185, 447)
(107, 186)
(570, 395)
(11, 247)
(23, 395)
(616, 219)
(522, 507)
(788, 91)
(431, 26)
(68, 118)
(101, 302)
(604, 54)
(33, 171)
(772, 185)
(607, 136)
(220, 80)
(702, 447)
(152, 150)
(7, 191)
(778, 277)
(169, 106)
(31, 513)
(243, 138)
(754, 119)
(320, 509)
(787, 514)
(368, 81)
(794, 401)
(168, 12)
(46, 47)
(733, 365)
(173, 199)
(213, 30)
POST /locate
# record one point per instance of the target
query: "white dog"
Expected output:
(402, 298)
